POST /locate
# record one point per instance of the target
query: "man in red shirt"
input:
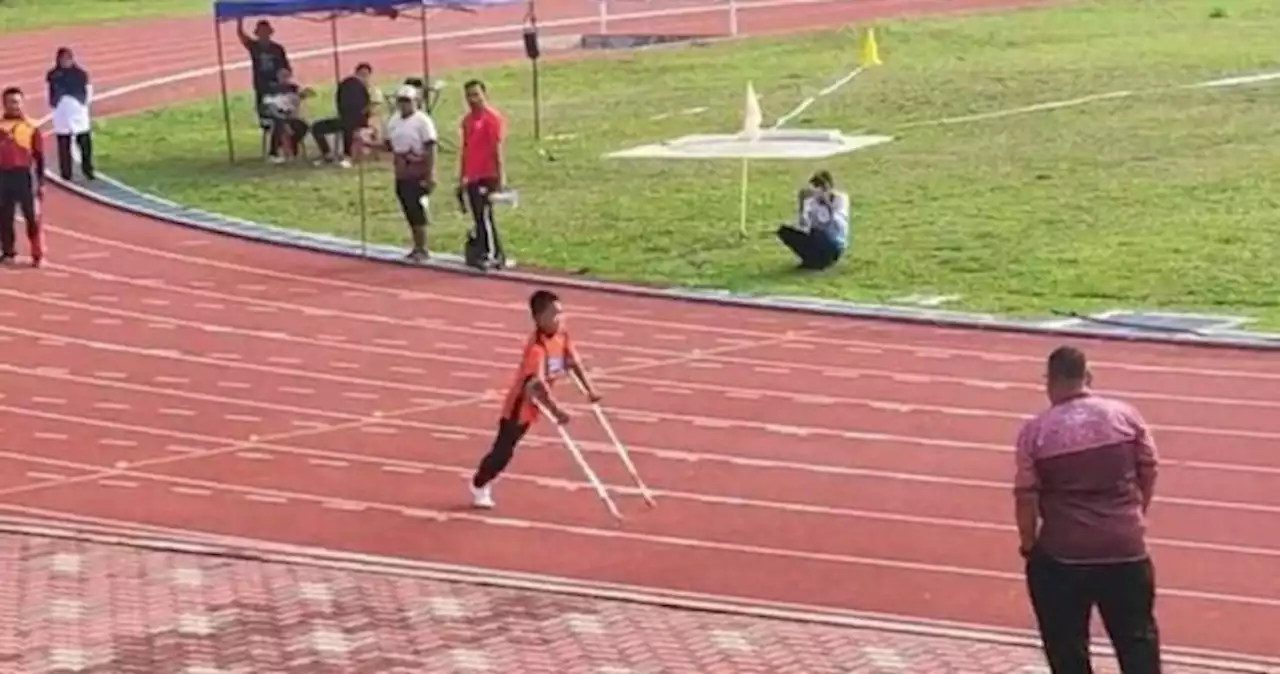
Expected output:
(21, 177)
(1086, 473)
(480, 175)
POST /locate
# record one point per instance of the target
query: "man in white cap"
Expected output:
(411, 137)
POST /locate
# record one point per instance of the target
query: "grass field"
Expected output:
(1169, 198)
(24, 15)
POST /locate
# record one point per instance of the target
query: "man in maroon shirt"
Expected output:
(21, 177)
(1086, 471)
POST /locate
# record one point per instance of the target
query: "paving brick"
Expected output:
(105, 609)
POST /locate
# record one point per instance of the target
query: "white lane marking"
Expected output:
(163, 379)
(234, 385)
(266, 498)
(329, 463)
(191, 491)
(124, 484)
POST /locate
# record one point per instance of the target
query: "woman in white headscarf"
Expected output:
(69, 96)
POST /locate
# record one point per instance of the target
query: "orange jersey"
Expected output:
(545, 356)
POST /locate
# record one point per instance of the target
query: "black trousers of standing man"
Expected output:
(17, 192)
(484, 248)
(1063, 596)
(65, 164)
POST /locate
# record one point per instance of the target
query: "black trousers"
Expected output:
(409, 193)
(65, 163)
(17, 191)
(292, 126)
(346, 129)
(1063, 597)
(483, 243)
(510, 432)
(815, 249)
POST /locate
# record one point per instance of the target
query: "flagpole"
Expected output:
(751, 121)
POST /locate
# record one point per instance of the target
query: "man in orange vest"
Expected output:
(21, 177)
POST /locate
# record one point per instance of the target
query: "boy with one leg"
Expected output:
(548, 356)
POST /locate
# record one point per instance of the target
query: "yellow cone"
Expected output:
(869, 54)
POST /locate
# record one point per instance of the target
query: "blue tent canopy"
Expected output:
(225, 10)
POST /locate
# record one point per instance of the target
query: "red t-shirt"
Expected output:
(482, 133)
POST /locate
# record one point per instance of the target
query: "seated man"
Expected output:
(356, 107)
(282, 108)
(821, 233)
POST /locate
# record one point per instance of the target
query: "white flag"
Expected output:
(752, 118)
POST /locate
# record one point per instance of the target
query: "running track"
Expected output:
(281, 395)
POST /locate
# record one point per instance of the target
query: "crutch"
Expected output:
(622, 450)
(582, 462)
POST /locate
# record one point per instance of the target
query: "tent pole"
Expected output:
(426, 59)
(222, 81)
(533, 52)
(426, 52)
(333, 38)
(364, 218)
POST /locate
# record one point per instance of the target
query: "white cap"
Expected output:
(407, 91)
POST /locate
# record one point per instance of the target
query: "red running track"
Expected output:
(293, 397)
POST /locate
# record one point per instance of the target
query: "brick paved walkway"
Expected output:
(68, 606)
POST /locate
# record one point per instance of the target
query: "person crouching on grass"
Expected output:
(821, 232)
(411, 137)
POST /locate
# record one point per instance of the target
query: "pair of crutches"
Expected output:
(581, 460)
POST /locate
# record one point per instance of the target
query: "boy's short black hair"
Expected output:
(1067, 364)
(475, 84)
(11, 91)
(540, 301)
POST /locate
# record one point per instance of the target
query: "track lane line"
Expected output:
(352, 343)
(666, 540)
(672, 325)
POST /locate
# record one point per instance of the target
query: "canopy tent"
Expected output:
(330, 11)
(226, 10)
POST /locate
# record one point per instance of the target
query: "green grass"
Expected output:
(1167, 199)
(25, 15)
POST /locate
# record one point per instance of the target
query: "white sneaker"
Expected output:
(482, 497)
(345, 163)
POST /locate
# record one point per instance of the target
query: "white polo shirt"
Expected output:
(410, 135)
